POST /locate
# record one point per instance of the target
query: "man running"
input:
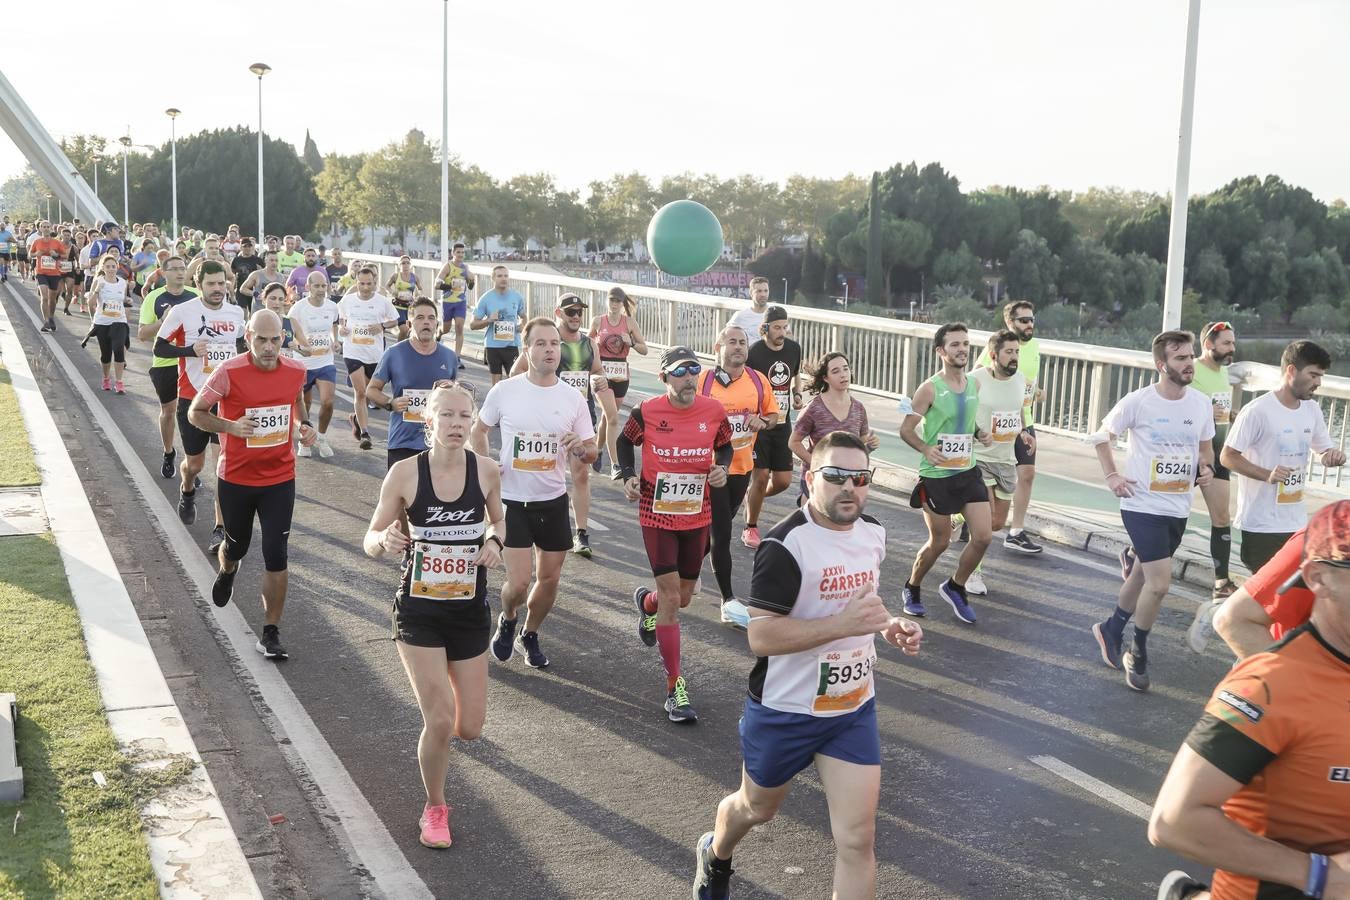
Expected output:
(949, 482)
(749, 319)
(751, 407)
(502, 312)
(780, 358)
(1269, 448)
(298, 278)
(543, 420)
(314, 322)
(363, 317)
(336, 272)
(811, 697)
(164, 370)
(245, 263)
(259, 405)
(686, 447)
(258, 281)
(290, 257)
(1218, 344)
(405, 378)
(1259, 789)
(1170, 425)
(455, 295)
(47, 254)
(7, 243)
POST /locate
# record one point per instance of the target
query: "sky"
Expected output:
(1065, 93)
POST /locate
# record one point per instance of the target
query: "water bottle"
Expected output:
(906, 408)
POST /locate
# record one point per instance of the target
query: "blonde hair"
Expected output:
(434, 400)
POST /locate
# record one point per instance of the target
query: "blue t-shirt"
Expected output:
(105, 245)
(402, 368)
(6, 241)
(510, 305)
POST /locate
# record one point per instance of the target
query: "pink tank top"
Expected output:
(609, 338)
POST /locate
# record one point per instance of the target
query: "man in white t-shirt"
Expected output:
(1268, 450)
(363, 317)
(543, 420)
(750, 319)
(1170, 426)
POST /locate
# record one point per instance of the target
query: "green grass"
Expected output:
(75, 839)
(16, 457)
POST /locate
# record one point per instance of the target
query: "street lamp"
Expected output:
(260, 69)
(96, 159)
(445, 133)
(173, 114)
(75, 193)
(125, 141)
(785, 297)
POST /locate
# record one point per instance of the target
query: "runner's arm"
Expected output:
(1243, 623)
(639, 343)
(1235, 461)
(375, 393)
(797, 444)
(478, 438)
(478, 324)
(909, 428)
(165, 349)
(490, 480)
(393, 500)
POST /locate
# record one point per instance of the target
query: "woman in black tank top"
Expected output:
(441, 620)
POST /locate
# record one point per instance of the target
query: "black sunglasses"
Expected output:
(685, 369)
(836, 475)
(570, 313)
(1025, 320)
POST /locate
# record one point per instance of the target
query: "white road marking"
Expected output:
(362, 833)
(1094, 786)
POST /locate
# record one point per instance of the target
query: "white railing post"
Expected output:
(672, 323)
(907, 366)
(1096, 397)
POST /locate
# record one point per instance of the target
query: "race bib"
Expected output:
(444, 571)
(579, 380)
(271, 426)
(1170, 474)
(216, 354)
(1223, 407)
(845, 679)
(784, 399)
(417, 406)
(615, 369)
(1028, 392)
(320, 344)
(1290, 488)
(1006, 426)
(679, 493)
(956, 450)
(535, 452)
(741, 435)
(289, 353)
(504, 329)
(364, 335)
(405, 297)
(113, 309)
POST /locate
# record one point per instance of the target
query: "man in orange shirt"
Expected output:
(47, 253)
(1261, 788)
(751, 407)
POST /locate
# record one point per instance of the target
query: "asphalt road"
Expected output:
(580, 787)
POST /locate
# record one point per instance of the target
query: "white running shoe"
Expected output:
(1202, 627)
(325, 449)
(975, 585)
(736, 613)
(302, 450)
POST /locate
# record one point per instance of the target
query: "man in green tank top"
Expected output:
(941, 427)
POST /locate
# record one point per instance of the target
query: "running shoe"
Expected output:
(960, 529)
(1136, 670)
(217, 538)
(957, 601)
(1022, 543)
(1178, 886)
(366, 442)
(975, 584)
(709, 883)
(582, 545)
(913, 603)
(1127, 560)
(735, 613)
(167, 468)
(187, 507)
(107, 384)
(501, 641)
(1202, 626)
(303, 451)
(646, 621)
(325, 448)
(46, 327)
(678, 707)
(51, 324)
(269, 645)
(527, 642)
(615, 473)
(1223, 590)
(750, 537)
(595, 464)
(964, 536)
(119, 387)
(223, 589)
(435, 827)
(1109, 642)
(356, 427)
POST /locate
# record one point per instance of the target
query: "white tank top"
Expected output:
(112, 303)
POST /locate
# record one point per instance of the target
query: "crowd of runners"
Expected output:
(250, 340)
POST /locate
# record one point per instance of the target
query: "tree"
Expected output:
(1041, 212)
(897, 244)
(961, 268)
(1141, 284)
(312, 157)
(928, 195)
(24, 195)
(1208, 275)
(1089, 211)
(338, 187)
(871, 257)
(993, 220)
(1032, 270)
(620, 208)
(1090, 274)
(808, 203)
(1263, 270)
(401, 186)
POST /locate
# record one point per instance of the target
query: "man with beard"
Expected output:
(245, 263)
(811, 697)
(780, 358)
(299, 276)
(1169, 425)
(164, 371)
(405, 377)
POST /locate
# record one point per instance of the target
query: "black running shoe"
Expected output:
(1109, 642)
(167, 468)
(1178, 886)
(582, 546)
(501, 641)
(269, 645)
(356, 428)
(223, 589)
(217, 538)
(187, 507)
(678, 707)
(646, 621)
(527, 642)
(366, 442)
(709, 883)
(1022, 543)
(1136, 669)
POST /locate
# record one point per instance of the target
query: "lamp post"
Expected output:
(96, 159)
(260, 69)
(125, 141)
(785, 297)
(445, 132)
(75, 193)
(173, 114)
(1176, 238)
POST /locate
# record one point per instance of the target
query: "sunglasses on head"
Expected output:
(1215, 327)
(685, 369)
(836, 475)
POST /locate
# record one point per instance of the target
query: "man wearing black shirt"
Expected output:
(779, 358)
(335, 269)
(245, 263)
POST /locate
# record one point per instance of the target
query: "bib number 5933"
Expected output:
(845, 679)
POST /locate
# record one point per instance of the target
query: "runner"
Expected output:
(259, 397)
(402, 288)
(71, 276)
(1020, 318)
(244, 264)
(315, 322)
(363, 317)
(231, 244)
(501, 311)
(164, 370)
(947, 405)
(749, 319)
(47, 252)
(109, 298)
(751, 407)
(1267, 606)
(7, 241)
(441, 620)
(1268, 448)
(780, 358)
(811, 697)
(543, 420)
(405, 378)
(253, 285)
(832, 408)
(22, 238)
(1170, 425)
(455, 296)
(110, 242)
(1258, 790)
(336, 272)
(615, 333)
(687, 448)
(298, 279)
(290, 257)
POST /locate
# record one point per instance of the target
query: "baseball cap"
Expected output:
(775, 314)
(1327, 540)
(676, 357)
(567, 301)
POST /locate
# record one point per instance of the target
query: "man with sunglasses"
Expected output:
(405, 377)
(1261, 788)
(686, 448)
(811, 696)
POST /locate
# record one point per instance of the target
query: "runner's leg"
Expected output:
(755, 494)
(427, 672)
(359, 382)
(939, 536)
(1026, 476)
(851, 790)
(670, 599)
(326, 390)
(581, 490)
(749, 806)
(549, 565)
(1220, 522)
(519, 568)
(978, 518)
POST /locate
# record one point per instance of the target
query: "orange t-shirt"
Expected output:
(43, 264)
(1279, 724)
(746, 396)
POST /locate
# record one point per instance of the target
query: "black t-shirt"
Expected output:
(245, 266)
(780, 367)
(335, 273)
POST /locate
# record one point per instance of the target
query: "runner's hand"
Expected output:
(308, 436)
(1029, 439)
(757, 423)
(933, 455)
(1206, 475)
(394, 540)
(632, 489)
(599, 383)
(199, 349)
(400, 404)
(985, 438)
(1333, 458)
(717, 476)
(489, 555)
(494, 317)
(241, 427)
(1121, 486)
(903, 634)
(865, 613)
(872, 441)
(571, 443)
(1278, 474)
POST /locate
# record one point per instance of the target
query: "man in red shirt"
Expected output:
(1270, 604)
(259, 403)
(47, 253)
(686, 447)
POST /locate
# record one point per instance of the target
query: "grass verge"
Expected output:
(16, 457)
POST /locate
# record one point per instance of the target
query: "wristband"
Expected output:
(1109, 474)
(1318, 866)
(500, 545)
(306, 423)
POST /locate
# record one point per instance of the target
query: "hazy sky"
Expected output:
(1070, 93)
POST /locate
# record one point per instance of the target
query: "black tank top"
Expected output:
(437, 523)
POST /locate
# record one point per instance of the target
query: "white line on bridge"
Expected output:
(1094, 786)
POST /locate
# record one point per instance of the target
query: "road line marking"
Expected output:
(1094, 786)
(362, 834)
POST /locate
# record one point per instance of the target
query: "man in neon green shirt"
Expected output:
(164, 371)
(1218, 344)
(291, 257)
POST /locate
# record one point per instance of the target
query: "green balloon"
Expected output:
(684, 238)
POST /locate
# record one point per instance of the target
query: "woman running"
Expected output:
(614, 334)
(402, 287)
(831, 409)
(108, 296)
(442, 623)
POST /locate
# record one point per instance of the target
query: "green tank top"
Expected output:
(950, 425)
(575, 364)
(1214, 385)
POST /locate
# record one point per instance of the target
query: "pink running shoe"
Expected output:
(750, 537)
(435, 824)
(120, 387)
(107, 384)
